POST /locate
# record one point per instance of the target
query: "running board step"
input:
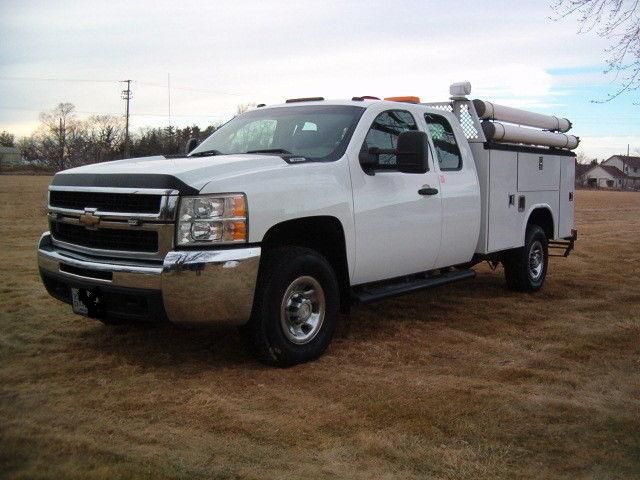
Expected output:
(372, 294)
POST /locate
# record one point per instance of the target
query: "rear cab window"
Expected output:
(444, 141)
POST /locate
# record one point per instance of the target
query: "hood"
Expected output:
(187, 174)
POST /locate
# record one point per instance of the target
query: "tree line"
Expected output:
(62, 140)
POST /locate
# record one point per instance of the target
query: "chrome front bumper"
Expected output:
(202, 287)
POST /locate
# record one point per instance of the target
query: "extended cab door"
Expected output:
(459, 189)
(397, 229)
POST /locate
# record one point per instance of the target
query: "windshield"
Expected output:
(316, 132)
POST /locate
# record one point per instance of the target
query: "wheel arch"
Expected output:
(324, 234)
(541, 215)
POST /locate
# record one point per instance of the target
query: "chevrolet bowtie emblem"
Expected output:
(88, 219)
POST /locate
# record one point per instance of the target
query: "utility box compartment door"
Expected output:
(566, 220)
(504, 219)
(537, 173)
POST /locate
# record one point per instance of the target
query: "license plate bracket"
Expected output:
(85, 302)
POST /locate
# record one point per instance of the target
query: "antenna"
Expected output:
(169, 95)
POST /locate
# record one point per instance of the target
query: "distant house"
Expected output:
(604, 176)
(629, 166)
(9, 157)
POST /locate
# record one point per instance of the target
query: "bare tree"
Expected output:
(617, 21)
(7, 139)
(581, 157)
(103, 137)
(57, 126)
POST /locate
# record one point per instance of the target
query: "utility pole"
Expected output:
(63, 137)
(126, 96)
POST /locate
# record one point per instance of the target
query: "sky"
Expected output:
(218, 54)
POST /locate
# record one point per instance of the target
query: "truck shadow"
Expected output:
(169, 346)
(431, 306)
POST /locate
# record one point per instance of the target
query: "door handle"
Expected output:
(428, 191)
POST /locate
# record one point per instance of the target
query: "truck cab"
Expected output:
(289, 214)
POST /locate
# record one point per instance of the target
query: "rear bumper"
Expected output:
(202, 287)
(565, 245)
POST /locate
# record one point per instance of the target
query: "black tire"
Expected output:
(283, 272)
(520, 274)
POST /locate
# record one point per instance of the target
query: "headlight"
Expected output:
(212, 219)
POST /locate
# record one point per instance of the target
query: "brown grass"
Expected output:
(465, 382)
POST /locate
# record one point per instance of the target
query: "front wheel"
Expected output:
(296, 307)
(525, 268)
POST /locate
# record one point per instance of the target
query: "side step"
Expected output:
(372, 294)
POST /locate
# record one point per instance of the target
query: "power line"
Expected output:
(189, 89)
(117, 114)
(41, 79)
(148, 84)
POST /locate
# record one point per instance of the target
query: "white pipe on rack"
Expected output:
(500, 132)
(491, 111)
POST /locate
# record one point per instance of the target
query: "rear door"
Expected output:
(459, 187)
(397, 229)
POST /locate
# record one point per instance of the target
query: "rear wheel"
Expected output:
(525, 268)
(296, 307)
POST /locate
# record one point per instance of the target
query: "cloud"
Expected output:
(268, 51)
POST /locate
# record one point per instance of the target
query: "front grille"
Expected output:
(106, 238)
(106, 202)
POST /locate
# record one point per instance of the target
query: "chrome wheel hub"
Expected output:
(302, 310)
(536, 260)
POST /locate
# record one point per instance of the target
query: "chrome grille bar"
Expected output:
(166, 212)
(161, 222)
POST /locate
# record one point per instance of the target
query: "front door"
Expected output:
(397, 229)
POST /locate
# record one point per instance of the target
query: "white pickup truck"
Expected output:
(288, 214)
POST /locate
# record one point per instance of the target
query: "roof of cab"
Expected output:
(390, 104)
(360, 102)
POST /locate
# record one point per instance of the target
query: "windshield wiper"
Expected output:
(205, 153)
(271, 150)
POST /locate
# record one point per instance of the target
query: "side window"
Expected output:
(384, 133)
(444, 141)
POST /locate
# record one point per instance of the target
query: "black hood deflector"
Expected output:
(123, 180)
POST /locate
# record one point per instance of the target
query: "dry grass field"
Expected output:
(469, 381)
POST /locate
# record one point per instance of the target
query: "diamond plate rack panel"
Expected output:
(467, 123)
(446, 106)
(466, 114)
